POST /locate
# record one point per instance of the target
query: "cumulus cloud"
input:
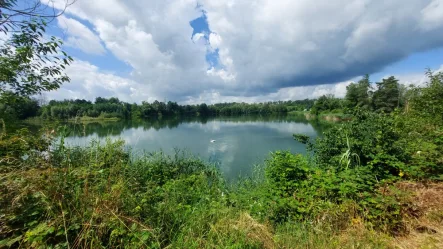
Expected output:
(287, 43)
(80, 36)
(89, 82)
(416, 79)
(432, 15)
(266, 49)
(284, 94)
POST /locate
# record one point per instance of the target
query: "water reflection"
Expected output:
(105, 129)
(239, 142)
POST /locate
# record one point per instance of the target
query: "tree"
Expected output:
(387, 96)
(326, 103)
(357, 94)
(29, 63)
(428, 101)
(203, 109)
(352, 95)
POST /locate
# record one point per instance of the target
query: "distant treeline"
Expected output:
(383, 96)
(26, 107)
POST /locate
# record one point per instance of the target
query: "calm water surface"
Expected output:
(239, 142)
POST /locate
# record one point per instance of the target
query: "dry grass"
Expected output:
(247, 226)
(312, 236)
(423, 217)
(358, 236)
(425, 222)
(254, 230)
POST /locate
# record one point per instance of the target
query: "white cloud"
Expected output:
(297, 41)
(80, 36)
(267, 49)
(215, 40)
(416, 79)
(287, 93)
(432, 15)
(4, 37)
(199, 38)
(89, 82)
(223, 74)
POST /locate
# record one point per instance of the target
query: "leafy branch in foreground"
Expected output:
(12, 13)
(30, 64)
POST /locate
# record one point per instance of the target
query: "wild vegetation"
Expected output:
(357, 189)
(384, 97)
(372, 182)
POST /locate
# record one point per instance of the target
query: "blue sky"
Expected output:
(416, 62)
(209, 51)
(107, 62)
(200, 26)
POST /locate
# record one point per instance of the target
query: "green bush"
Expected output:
(372, 138)
(102, 196)
(99, 196)
(286, 171)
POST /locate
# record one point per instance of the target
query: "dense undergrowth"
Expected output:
(348, 193)
(98, 197)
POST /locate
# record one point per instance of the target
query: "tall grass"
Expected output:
(99, 196)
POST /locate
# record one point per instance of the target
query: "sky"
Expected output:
(194, 51)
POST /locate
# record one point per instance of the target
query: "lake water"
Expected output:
(240, 142)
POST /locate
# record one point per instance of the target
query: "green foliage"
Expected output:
(327, 103)
(387, 96)
(358, 161)
(113, 107)
(286, 171)
(302, 138)
(17, 107)
(427, 102)
(20, 147)
(383, 209)
(29, 64)
(287, 174)
(370, 138)
(101, 195)
(348, 157)
(357, 94)
(98, 196)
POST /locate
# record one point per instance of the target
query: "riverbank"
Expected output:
(86, 119)
(330, 117)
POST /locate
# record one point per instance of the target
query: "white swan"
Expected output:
(212, 141)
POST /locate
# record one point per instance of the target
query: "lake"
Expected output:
(234, 144)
